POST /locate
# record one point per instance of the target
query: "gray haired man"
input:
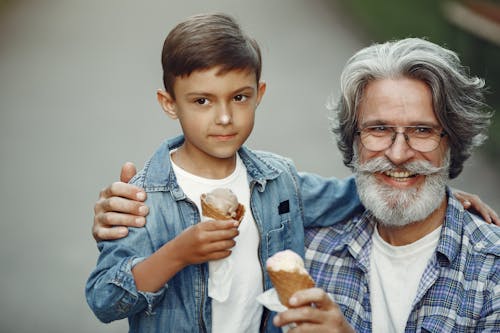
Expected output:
(415, 261)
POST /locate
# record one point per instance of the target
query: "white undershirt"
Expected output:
(395, 273)
(240, 312)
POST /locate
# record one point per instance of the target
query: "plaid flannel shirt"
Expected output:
(459, 290)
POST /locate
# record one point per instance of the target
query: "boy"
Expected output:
(160, 276)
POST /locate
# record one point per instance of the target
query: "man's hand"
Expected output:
(473, 203)
(120, 205)
(313, 311)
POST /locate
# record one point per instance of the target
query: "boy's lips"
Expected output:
(223, 137)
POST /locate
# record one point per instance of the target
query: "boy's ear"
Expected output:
(261, 90)
(167, 103)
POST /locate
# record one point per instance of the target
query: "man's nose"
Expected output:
(400, 151)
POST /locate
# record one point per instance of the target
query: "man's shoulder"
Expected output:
(483, 237)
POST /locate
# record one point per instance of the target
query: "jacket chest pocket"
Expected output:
(279, 238)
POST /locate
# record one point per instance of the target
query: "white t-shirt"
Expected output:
(395, 273)
(240, 312)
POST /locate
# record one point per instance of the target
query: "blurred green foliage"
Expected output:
(393, 19)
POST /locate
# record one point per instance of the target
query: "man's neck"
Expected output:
(412, 232)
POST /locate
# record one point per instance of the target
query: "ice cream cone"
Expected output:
(287, 283)
(208, 211)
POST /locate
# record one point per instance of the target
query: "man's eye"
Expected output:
(379, 130)
(422, 131)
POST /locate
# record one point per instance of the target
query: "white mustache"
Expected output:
(382, 164)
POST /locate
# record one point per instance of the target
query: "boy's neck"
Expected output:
(211, 168)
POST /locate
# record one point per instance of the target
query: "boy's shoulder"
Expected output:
(264, 165)
(156, 173)
(264, 159)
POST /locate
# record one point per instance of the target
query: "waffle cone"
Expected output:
(211, 212)
(287, 283)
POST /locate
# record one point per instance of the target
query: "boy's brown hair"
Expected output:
(204, 41)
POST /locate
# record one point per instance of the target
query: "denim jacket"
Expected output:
(282, 202)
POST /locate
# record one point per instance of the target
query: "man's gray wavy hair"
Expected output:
(458, 98)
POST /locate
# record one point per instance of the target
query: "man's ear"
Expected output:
(167, 103)
(261, 90)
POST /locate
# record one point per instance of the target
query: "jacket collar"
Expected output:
(159, 174)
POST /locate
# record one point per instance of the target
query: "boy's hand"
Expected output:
(312, 310)
(205, 241)
(473, 203)
(120, 205)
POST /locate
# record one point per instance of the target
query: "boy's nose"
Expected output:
(224, 116)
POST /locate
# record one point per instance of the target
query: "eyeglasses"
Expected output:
(380, 137)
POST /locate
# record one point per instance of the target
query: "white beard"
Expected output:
(399, 207)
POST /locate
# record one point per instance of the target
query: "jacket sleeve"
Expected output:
(110, 291)
(327, 201)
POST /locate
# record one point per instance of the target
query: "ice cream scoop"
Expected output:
(222, 204)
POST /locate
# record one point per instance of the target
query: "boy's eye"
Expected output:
(201, 101)
(240, 98)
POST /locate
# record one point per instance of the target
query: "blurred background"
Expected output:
(77, 100)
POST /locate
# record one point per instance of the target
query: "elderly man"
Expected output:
(414, 261)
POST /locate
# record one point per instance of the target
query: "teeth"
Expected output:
(399, 174)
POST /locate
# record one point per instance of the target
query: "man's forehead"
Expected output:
(401, 101)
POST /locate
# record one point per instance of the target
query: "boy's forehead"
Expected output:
(222, 71)
(216, 77)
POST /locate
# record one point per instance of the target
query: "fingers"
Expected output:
(220, 224)
(111, 225)
(474, 203)
(112, 211)
(203, 242)
(315, 296)
(114, 219)
(313, 311)
(215, 231)
(128, 171)
(219, 249)
(466, 203)
(495, 218)
(109, 233)
(124, 190)
(121, 205)
(488, 214)
(301, 309)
